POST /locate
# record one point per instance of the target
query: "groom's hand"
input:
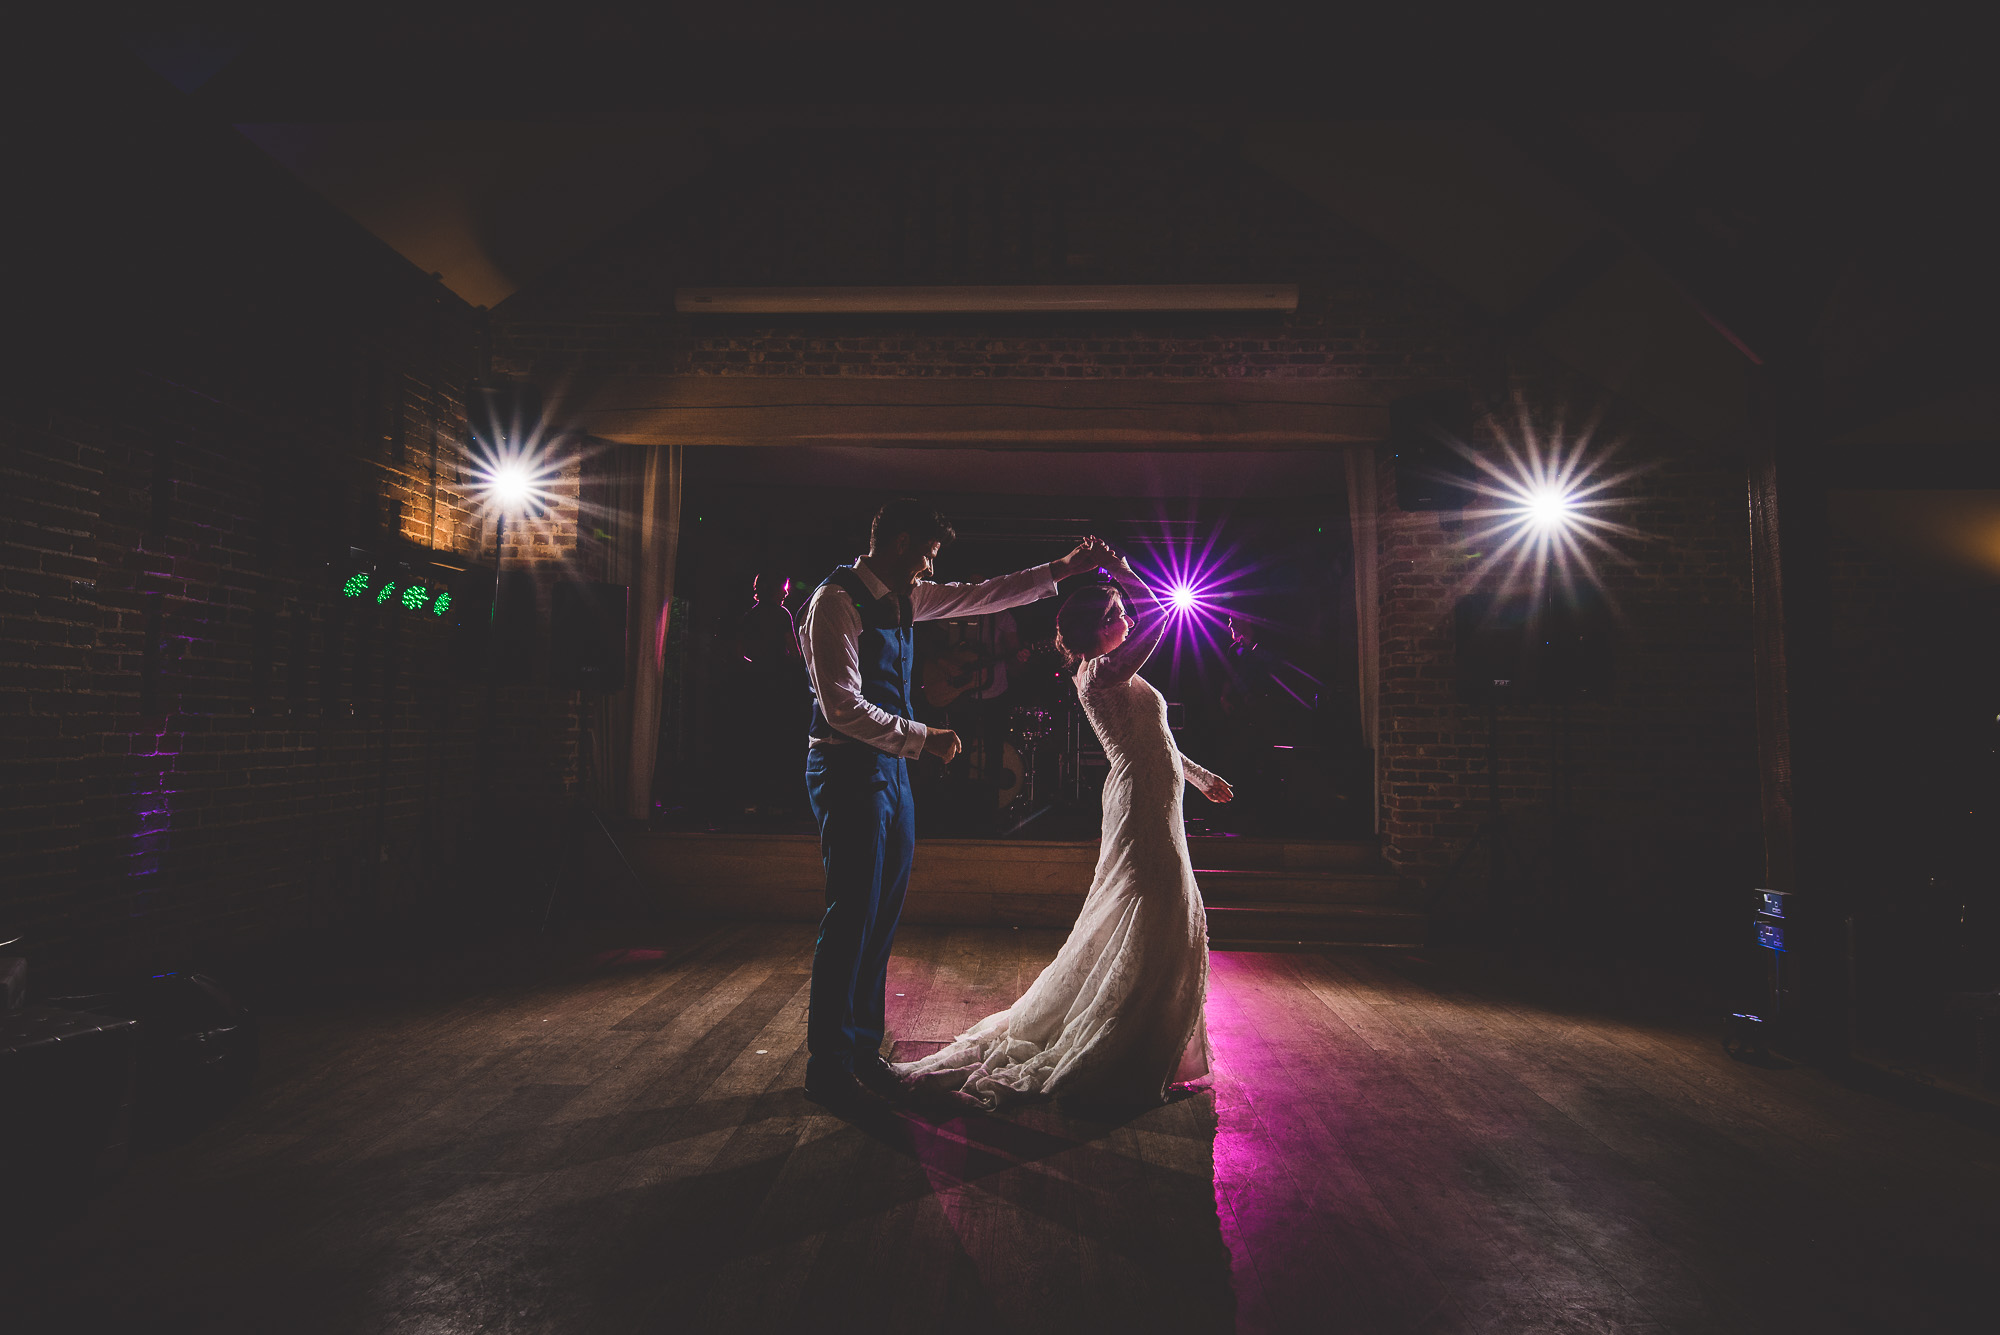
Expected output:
(942, 743)
(1091, 553)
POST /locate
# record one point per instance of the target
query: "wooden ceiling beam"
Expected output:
(984, 413)
(988, 299)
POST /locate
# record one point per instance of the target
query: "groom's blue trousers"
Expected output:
(867, 837)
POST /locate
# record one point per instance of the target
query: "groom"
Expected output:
(857, 640)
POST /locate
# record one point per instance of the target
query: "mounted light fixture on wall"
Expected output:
(510, 468)
(509, 462)
(1026, 299)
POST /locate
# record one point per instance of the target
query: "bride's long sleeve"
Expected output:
(1194, 773)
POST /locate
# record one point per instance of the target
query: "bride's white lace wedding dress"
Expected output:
(1116, 1017)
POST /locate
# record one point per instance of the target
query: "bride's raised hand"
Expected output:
(1122, 569)
(1089, 554)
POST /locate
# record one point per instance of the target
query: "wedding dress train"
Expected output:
(1116, 1017)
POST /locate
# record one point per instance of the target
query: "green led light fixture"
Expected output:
(398, 589)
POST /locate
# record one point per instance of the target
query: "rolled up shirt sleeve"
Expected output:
(929, 602)
(831, 639)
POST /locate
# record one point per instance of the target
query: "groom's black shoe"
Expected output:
(840, 1093)
(874, 1075)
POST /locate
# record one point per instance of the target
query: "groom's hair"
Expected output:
(907, 514)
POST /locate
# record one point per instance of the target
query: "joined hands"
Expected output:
(1091, 553)
(1095, 553)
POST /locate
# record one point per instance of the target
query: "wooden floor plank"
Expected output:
(1734, 1196)
(615, 1140)
(1563, 1180)
(1466, 1163)
(916, 1015)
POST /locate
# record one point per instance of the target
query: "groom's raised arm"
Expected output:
(931, 602)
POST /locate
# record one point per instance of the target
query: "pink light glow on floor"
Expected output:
(1247, 1166)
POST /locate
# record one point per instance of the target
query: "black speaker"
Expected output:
(472, 623)
(1493, 655)
(495, 633)
(1576, 645)
(513, 631)
(587, 635)
(198, 1045)
(1553, 647)
(1430, 473)
(67, 1119)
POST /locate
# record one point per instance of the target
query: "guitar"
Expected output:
(957, 670)
(966, 668)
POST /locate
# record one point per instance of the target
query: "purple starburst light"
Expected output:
(1204, 581)
(1211, 572)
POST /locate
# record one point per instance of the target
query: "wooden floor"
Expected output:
(1393, 1142)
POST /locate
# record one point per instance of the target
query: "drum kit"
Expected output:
(1003, 741)
(1027, 726)
(1030, 723)
(1011, 774)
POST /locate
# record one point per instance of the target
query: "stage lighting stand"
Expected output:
(506, 486)
(572, 851)
(1546, 509)
(506, 493)
(1561, 805)
(500, 502)
(1029, 806)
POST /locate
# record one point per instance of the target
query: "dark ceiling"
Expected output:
(427, 61)
(1663, 194)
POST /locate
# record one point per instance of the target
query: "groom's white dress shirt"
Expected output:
(830, 635)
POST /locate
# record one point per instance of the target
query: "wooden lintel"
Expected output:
(1021, 414)
(1009, 299)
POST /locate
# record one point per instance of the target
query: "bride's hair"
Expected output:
(1081, 620)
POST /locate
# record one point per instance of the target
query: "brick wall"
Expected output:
(1662, 823)
(208, 747)
(1634, 810)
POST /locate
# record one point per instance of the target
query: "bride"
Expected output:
(1117, 1015)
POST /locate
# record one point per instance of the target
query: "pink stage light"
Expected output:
(1210, 583)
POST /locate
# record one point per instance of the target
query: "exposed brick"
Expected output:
(196, 468)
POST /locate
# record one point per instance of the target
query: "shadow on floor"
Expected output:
(621, 1144)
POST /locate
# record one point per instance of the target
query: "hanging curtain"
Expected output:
(644, 528)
